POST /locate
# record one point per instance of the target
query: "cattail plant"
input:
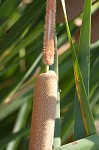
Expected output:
(44, 108)
(56, 120)
(45, 92)
(48, 45)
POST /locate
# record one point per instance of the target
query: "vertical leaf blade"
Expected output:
(80, 87)
(84, 45)
(84, 64)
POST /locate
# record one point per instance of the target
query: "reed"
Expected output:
(44, 108)
(48, 44)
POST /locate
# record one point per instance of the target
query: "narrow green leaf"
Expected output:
(11, 137)
(23, 43)
(10, 107)
(17, 29)
(7, 7)
(57, 130)
(89, 143)
(84, 45)
(79, 129)
(6, 110)
(24, 78)
(80, 87)
(67, 124)
(19, 124)
(84, 64)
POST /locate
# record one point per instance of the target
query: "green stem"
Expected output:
(57, 133)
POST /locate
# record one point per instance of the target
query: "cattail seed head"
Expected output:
(48, 44)
(44, 108)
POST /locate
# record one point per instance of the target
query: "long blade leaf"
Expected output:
(84, 63)
(80, 87)
(90, 143)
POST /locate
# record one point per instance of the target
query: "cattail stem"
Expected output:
(44, 108)
(57, 132)
(48, 45)
(46, 68)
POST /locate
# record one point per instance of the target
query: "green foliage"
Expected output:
(83, 144)
(21, 41)
(84, 63)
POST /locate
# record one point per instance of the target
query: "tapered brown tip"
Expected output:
(48, 44)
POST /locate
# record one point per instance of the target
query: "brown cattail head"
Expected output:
(44, 108)
(48, 45)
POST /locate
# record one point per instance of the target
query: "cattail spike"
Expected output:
(44, 108)
(48, 45)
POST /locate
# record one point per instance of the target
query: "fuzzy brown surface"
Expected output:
(43, 116)
(48, 44)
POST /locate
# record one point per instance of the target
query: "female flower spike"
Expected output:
(48, 44)
(44, 108)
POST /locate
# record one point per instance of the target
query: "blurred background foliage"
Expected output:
(21, 42)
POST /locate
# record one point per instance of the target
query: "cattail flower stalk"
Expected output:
(48, 44)
(44, 108)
